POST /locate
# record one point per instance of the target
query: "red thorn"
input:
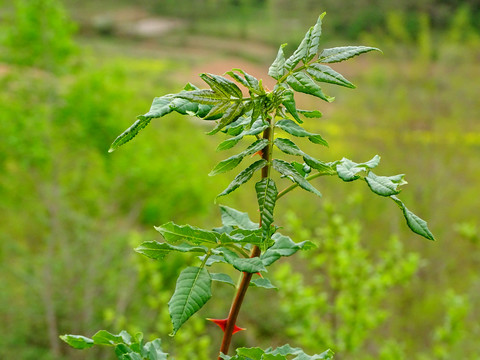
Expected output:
(223, 325)
(259, 152)
(259, 275)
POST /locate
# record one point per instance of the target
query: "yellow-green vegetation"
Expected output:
(70, 213)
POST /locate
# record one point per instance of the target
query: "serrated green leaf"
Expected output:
(347, 170)
(283, 246)
(289, 171)
(249, 81)
(122, 350)
(301, 82)
(103, 337)
(325, 168)
(415, 223)
(338, 54)
(186, 107)
(222, 85)
(288, 101)
(192, 291)
(303, 169)
(249, 265)
(153, 350)
(157, 251)
(233, 161)
(204, 96)
(277, 69)
(243, 177)
(286, 350)
(224, 278)
(313, 39)
(312, 114)
(296, 130)
(129, 134)
(226, 165)
(233, 111)
(77, 341)
(229, 143)
(263, 283)
(257, 127)
(242, 236)
(280, 353)
(324, 73)
(384, 185)
(213, 259)
(232, 217)
(266, 197)
(300, 53)
(218, 111)
(254, 353)
(174, 233)
(288, 147)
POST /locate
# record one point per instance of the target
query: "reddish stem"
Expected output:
(246, 277)
(236, 305)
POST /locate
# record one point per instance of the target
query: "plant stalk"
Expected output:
(247, 277)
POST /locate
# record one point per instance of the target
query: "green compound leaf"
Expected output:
(296, 130)
(157, 251)
(289, 171)
(267, 196)
(232, 217)
(174, 233)
(347, 170)
(160, 107)
(243, 177)
(77, 341)
(384, 185)
(283, 246)
(324, 73)
(233, 161)
(277, 69)
(416, 224)
(338, 54)
(288, 147)
(301, 82)
(263, 283)
(224, 278)
(192, 291)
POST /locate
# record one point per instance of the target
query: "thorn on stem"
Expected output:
(223, 325)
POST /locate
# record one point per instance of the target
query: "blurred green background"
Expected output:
(74, 74)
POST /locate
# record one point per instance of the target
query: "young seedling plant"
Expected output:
(270, 119)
